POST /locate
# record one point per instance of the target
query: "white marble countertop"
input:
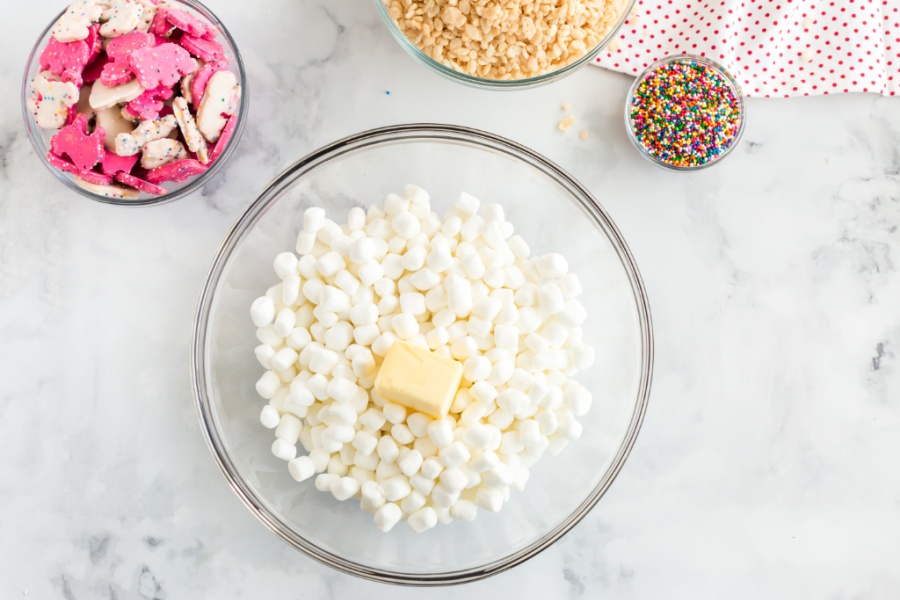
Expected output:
(767, 464)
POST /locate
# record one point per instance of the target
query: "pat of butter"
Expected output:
(418, 379)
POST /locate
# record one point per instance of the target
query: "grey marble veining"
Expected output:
(767, 465)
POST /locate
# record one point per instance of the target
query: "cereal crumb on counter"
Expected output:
(566, 123)
(583, 135)
(566, 106)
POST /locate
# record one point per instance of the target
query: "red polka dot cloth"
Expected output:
(774, 48)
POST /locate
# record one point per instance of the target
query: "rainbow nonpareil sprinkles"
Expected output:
(685, 113)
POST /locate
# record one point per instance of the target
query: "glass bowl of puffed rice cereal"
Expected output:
(136, 103)
(422, 354)
(511, 44)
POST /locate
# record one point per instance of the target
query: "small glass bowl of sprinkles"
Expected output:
(685, 113)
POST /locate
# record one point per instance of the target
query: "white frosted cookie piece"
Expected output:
(220, 100)
(105, 97)
(129, 144)
(110, 191)
(161, 152)
(49, 100)
(192, 136)
(122, 16)
(74, 23)
(113, 124)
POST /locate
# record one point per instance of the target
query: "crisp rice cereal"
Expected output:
(505, 39)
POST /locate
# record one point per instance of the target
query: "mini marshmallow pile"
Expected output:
(463, 287)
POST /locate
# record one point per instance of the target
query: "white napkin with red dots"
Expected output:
(774, 48)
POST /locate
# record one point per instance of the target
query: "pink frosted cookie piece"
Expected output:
(160, 25)
(118, 70)
(91, 176)
(189, 24)
(201, 78)
(178, 171)
(208, 50)
(223, 140)
(146, 107)
(112, 163)
(94, 42)
(67, 59)
(73, 141)
(139, 184)
(94, 71)
(163, 65)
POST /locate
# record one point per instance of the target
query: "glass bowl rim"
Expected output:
(708, 62)
(500, 84)
(38, 145)
(243, 225)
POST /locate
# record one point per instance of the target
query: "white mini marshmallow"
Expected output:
(285, 264)
(364, 314)
(425, 279)
(396, 488)
(262, 311)
(323, 361)
(269, 417)
(550, 299)
(402, 434)
(404, 325)
(268, 384)
(387, 516)
(412, 303)
(476, 368)
(418, 424)
(288, 429)
(413, 502)
(301, 468)
(341, 390)
(362, 250)
(568, 427)
(356, 218)
(464, 510)
(453, 480)
(423, 519)
(440, 433)
(552, 266)
(285, 321)
(372, 419)
(365, 442)
(467, 204)
(436, 337)
(284, 450)
(344, 488)
(410, 463)
(454, 455)
(422, 484)
(477, 436)
(459, 295)
(387, 449)
(313, 219)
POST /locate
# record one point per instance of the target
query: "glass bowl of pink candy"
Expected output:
(192, 45)
(549, 209)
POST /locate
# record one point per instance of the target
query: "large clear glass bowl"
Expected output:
(498, 84)
(40, 138)
(553, 212)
